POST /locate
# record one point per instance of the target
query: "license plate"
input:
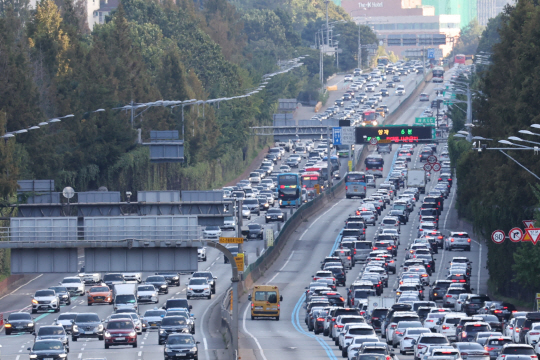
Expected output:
(48, 359)
(120, 339)
(258, 308)
(180, 354)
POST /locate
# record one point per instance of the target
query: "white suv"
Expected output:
(74, 285)
(458, 240)
(425, 340)
(45, 300)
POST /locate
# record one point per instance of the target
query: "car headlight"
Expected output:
(280, 216)
(33, 356)
(34, 301)
(133, 333)
(62, 355)
(267, 216)
(168, 349)
(193, 349)
(30, 324)
(53, 301)
(107, 334)
(75, 328)
(100, 327)
(163, 286)
(161, 331)
(190, 289)
(175, 278)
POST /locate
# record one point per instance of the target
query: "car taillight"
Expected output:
(346, 187)
(429, 320)
(489, 348)
(468, 240)
(463, 334)
(408, 338)
(452, 240)
(444, 327)
(399, 332)
(374, 318)
(320, 319)
(252, 305)
(448, 296)
(348, 337)
(525, 328)
(393, 326)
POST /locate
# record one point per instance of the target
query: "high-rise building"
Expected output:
(466, 9)
(486, 10)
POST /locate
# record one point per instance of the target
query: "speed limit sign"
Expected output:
(373, 141)
(432, 159)
(436, 167)
(427, 167)
(498, 236)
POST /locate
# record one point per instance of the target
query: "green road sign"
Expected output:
(424, 120)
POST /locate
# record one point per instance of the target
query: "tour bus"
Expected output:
(265, 301)
(321, 168)
(374, 165)
(310, 181)
(459, 59)
(438, 74)
(370, 117)
(288, 190)
(355, 184)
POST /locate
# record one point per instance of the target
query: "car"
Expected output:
(147, 293)
(120, 332)
(494, 345)
(348, 78)
(73, 284)
(458, 240)
(246, 213)
(65, 320)
(100, 294)
(184, 344)
(255, 231)
(198, 287)
(339, 102)
(90, 278)
(470, 329)
(212, 232)
(48, 349)
(53, 332)
(87, 325)
(273, 215)
(201, 253)
(516, 349)
(18, 322)
(159, 282)
(152, 318)
(172, 277)
(424, 340)
(424, 97)
(473, 303)
(45, 300)
(170, 325)
(407, 344)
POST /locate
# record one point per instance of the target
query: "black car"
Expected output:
(473, 303)
(378, 315)
(53, 332)
(396, 78)
(492, 320)
(63, 294)
(339, 102)
(177, 303)
(159, 282)
(209, 276)
(19, 322)
(339, 275)
(181, 345)
(255, 231)
(385, 92)
(274, 215)
(263, 203)
(438, 289)
(48, 349)
(87, 325)
(173, 279)
(172, 325)
(334, 298)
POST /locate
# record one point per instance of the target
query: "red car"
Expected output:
(120, 332)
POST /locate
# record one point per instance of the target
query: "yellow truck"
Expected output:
(265, 301)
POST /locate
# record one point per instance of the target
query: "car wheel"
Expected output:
(100, 337)
(106, 346)
(73, 338)
(89, 304)
(34, 311)
(68, 303)
(160, 342)
(252, 317)
(344, 353)
(188, 297)
(209, 297)
(8, 332)
(135, 345)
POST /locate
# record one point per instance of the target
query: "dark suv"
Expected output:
(19, 322)
(473, 303)
(530, 318)
(339, 275)
(173, 278)
(87, 325)
(171, 325)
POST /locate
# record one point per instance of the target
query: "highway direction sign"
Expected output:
(336, 136)
(498, 236)
(348, 135)
(231, 240)
(424, 120)
(515, 235)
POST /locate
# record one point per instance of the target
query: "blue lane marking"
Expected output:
(295, 317)
(51, 311)
(392, 166)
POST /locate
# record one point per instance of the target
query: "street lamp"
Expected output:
(515, 138)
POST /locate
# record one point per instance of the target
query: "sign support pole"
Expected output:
(328, 162)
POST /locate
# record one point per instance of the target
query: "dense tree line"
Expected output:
(52, 65)
(494, 192)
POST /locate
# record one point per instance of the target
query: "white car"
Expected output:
(533, 336)
(147, 292)
(133, 277)
(198, 287)
(425, 341)
(246, 213)
(212, 232)
(45, 300)
(400, 90)
(74, 285)
(448, 325)
(94, 278)
(201, 254)
(410, 334)
(348, 78)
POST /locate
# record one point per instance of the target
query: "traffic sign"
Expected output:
(427, 167)
(349, 163)
(498, 236)
(239, 259)
(336, 136)
(432, 159)
(269, 237)
(373, 141)
(424, 120)
(384, 141)
(348, 135)
(533, 235)
(528, 223)
(231, 240)
(515, 235)
(436, 167)
(431, 53)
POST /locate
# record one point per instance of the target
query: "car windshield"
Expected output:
(120, 325)
(125, 299)
(154, 313)
(51, 330)
(146, 288)
(171, 321)
(58, 289)
(198, 282)
(44, 293)
(155, 279)
(71, 281)
(48, 345)
(254, 227)
(212, 228)
(99, 289)
(274, 212)
(19, 317)
(180, 340)
(87, 318)
(434, 340)
(67, 317)
(113, 277)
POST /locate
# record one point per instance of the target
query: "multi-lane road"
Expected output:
(258, 339)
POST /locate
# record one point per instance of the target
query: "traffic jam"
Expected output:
(413, 295)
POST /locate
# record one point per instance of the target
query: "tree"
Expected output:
(469, 38)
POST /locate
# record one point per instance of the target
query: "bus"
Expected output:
(355, 184)
(438, 74)
(288, 190)
(334, 161)
(265, 301)
(459, 59)
(370, 117)
(383, 60)
(321, 168)
(374, 165)
(309, 180)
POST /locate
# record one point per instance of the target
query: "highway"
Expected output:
(258, 339)
(289, 338)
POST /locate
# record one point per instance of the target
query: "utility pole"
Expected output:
(359, 48)
(132, 114)
(469, 112)
(424, 64)
(328, 162)
(327, 28)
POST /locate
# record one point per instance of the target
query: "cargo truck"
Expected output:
(417, 178)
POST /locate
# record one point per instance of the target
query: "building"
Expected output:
(405, 24)
(105, 9)
(486, 10)
(466, 9)
(91, 7)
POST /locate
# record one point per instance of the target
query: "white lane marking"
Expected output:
(11, 293)
(74, 306)
(286, 262)
(80, 355)
(251, 335)
(205, 345)
(18, 357)
(444, 248)
(202, 324)
(316, 220)
(140, 353)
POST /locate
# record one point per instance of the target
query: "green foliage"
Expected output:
(469, 38)
(490, 35)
